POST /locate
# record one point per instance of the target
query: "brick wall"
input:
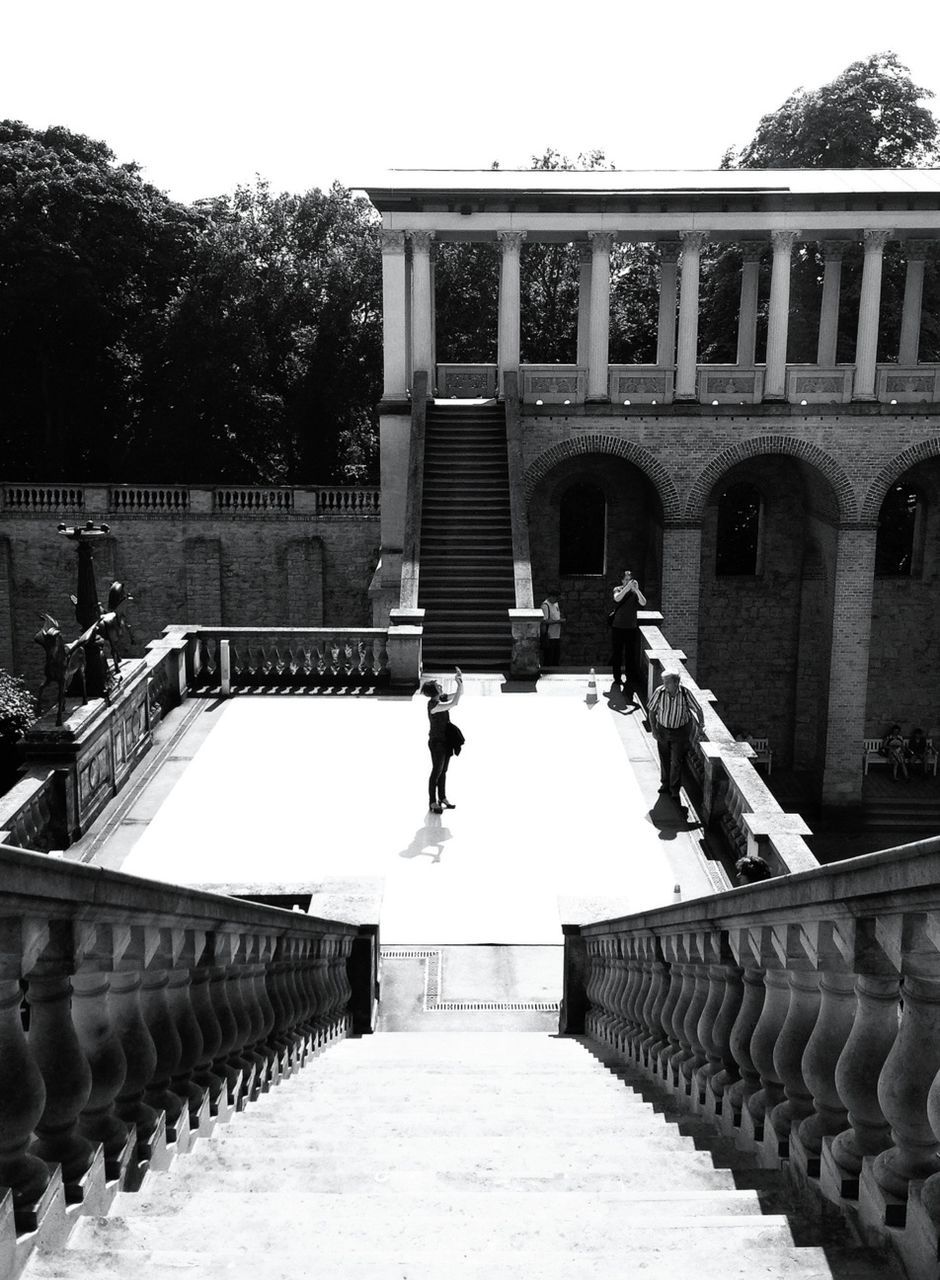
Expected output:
(239, 570)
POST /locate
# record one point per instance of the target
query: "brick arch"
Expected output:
(597, 442)
(801, 450)
(892, 471)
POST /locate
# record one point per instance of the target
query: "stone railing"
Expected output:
(265, 657)
(798, 1016)
(324, 501)
(134, 1014)
(734, 797)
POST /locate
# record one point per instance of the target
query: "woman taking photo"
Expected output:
(439, 707)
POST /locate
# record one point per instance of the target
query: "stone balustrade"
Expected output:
(134, 1015)
(262, 657)
(801, 1017)
(324, 501)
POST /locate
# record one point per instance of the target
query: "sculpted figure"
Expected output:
(63, 661)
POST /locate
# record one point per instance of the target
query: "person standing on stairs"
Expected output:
(623, 620)
(440, 737)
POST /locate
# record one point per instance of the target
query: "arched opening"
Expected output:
(769, 537)
(582, 531)
(899, 548)
(590, 517)
(737, 537)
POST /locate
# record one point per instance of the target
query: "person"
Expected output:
(551, 629)
(920, 751)
(893, 747)
(751, 869)
(672, 711)
(623, 620)
(440, 706)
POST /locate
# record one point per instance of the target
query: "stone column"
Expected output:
(432, 369)
(751, 253)
(832, 252)
(687, 355)
(421, 301)
(584, 305)
(869, 311)
(775, 379)
(909, 345)
(666, 330)
(848, 664)
(682, 566)
(509, 302)
(598, 355)
(394, 342)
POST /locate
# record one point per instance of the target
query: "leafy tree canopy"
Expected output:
(869, 117)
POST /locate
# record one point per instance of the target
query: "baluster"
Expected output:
(690, 1063)
(650, 1016)
(155, 1007)
(721, 1070)
(823, 1049)
(140, 1053)
(682, 1006)
(592, 985)
(322, 985)
(617, 1028)
(905, 1082)
(802, 1014)
(274, 981)
(772, 1017)
(222, 1063)
(608, 952)
(860, 1064)
(637, 1028)
(668, 1045)
(296, 1000)
(253, 1010)
(22, 1091)
(263, 1044)
(180, 1003)
(95, 1027)
(738, 1092)
(209, 1026)
(58, 1054)
(239, 1057)
(333, 985)
(635, 994)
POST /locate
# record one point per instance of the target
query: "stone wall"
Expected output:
(246, 568)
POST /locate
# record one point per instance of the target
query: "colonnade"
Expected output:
(409, 328)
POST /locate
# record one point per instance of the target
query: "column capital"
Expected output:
(834, 250)
(752, 250)
(782, 241)
(421, 240)
(668, 250)
(875, 240)
(511, 240)
(601, 241)
(693, 239)
(916, 250)
(392, 241)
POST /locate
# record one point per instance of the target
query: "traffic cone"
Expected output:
(592, 689)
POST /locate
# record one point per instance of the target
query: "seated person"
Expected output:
(920, 753)
(893, 748)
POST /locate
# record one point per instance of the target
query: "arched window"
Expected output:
(582, 531)
(897, 551)
(737, 549)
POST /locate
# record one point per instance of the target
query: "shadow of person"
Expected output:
(670, 817)
(428, 840)
(620, 701)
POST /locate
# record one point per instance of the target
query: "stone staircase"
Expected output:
(412, 1157)
(466, 580)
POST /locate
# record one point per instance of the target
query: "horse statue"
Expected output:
(63, 661)
(112, 626)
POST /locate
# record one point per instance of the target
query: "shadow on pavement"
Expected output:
(428, 840)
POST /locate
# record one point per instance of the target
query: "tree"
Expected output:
(869, 117)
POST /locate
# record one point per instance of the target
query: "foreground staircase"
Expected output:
(466, 580)
(420, 1156)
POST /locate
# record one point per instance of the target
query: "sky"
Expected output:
(205, 95)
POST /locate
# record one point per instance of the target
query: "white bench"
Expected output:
(763, 753)
(871, 754)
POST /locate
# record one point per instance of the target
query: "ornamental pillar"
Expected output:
(421, 333)
(687, 354)
(827, 342)
(394, 306)
(751, 254)
(848, 664)
(509, 302)
(869, 312)
(668, 291)
(909, 345)
(584, 305)
(598, 355)
(775, 379)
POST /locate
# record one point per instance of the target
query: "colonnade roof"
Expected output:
(475, 204)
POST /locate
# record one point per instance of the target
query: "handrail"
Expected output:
(521, 558)
(798, 1017)
(411, 550)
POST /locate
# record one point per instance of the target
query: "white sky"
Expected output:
(205, 94)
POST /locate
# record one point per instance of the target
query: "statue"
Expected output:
(112, 626)
(63, 662)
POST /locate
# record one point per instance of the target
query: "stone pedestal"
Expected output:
(202, 1122)
(918, 1246)
(877, 1210)
(525, 641)
(97, 747)
(774, 1147)
(834, 1183)
(116, 1171)
(404, 655)
(804, 1163)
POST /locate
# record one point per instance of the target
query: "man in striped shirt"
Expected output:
(672, 711)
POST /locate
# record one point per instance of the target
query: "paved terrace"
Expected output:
(557, 813)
